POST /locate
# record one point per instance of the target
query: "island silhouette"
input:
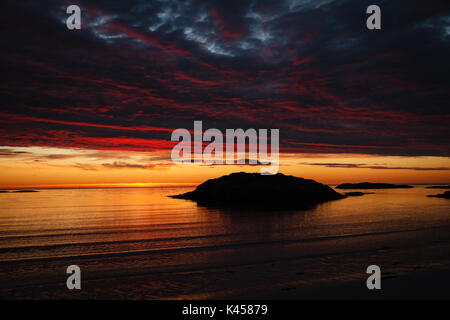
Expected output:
(356, 193)
(370, 185)
(445, 195)
(438, 187)
(256, 191)
(20, 191)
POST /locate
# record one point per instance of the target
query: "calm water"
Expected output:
(138, 243)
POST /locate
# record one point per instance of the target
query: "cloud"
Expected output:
(85, 166)
(11, 152)
(138, 70)
(246, 162)
(126, 165)
(376, 167)
(57, 156)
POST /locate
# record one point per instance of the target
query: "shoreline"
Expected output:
(430, 284)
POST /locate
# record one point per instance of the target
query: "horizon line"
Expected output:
(154, 185)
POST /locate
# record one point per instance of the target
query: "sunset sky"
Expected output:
(97, 106)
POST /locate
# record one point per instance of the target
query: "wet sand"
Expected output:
(408, 272)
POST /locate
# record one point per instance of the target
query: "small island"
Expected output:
(438, 187)
(4, 191)
(445, 195)
(26, 191)
(370, 185)
(256, 191)
(356, 193)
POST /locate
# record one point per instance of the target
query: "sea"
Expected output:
(138, 243)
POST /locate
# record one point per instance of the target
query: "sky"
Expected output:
(97, 106)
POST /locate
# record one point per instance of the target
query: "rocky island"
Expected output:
(255, 191)
(370, 185)
(445, 195)
(356, 193)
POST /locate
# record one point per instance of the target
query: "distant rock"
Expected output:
(369, 185)
(252, 190)
(445, 195)
(356, 193)
(26, 191)
(438, 187)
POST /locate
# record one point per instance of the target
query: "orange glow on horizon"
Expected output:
(36, 167)
(102, 185)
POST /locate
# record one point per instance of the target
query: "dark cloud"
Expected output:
(11, 152)
(377, 167)
(85, 166)
(57, 157)
(126, 165)
(241, 162)
(139, 69)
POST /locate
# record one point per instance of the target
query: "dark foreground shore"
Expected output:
(411, 269)
(419, 284)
